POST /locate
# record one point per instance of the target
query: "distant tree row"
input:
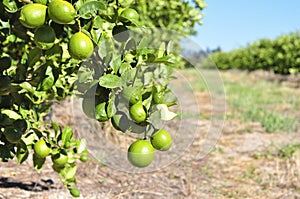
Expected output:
(281, 55)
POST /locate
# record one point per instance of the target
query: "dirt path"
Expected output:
(231, 171)
(245, 163)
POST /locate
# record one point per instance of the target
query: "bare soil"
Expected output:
(243, 164)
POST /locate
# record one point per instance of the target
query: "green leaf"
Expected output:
(90, 8)
(82, 146)
(22, 152)
(54, 53)
(161, 50)
(10, 5)
(6, 152)
(48, 82)
(111, 107)
(148, 77)
(27, 87)
(124, 68)
(165, 59)
(110, 81)
(67, 135)
(34, 56)
(96, 35)
(98, 22)
(116, 63)
(144, 43)
(165, 114)
(29, 138)
(106, 49)
(38, 162)
(56, 128)
(85, 75)
(11, 114)
(147, 102)
(68, 172)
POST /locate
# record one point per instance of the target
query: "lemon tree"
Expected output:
(99, 51)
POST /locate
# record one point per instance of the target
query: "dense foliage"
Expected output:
(90, 50)
(280, 55)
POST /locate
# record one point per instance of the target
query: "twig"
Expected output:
(27, 1)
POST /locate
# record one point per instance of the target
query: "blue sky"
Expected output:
(234, 23)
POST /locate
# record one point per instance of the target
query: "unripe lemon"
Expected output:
(161, 140)
(80, 46)
(140, 153)
(33, 15)
(129, 14)
(41, 149)
(61, 12)
(44, 37)
(13, 135)
(137, 112)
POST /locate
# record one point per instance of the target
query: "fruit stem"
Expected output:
(27, 1)
(30, 34)
(79, 25)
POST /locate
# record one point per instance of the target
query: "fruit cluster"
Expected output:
(60, 12)
(127, 110)
(141, 152)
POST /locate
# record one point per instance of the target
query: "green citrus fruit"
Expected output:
(120, 33)
(140, 153)
(83, 158)
(161, 140)
(100, 112)
(44, 37)
(132, 94)
(129, 14)
(60, 158)
(61, 12)
(137, 112)
(13, 135)
(5, 63)
(80, 46)
(41, 148)
(33, 15)
(44, 2)
(74, 192)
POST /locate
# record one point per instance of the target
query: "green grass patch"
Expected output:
(253, 100)
(265, 102)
